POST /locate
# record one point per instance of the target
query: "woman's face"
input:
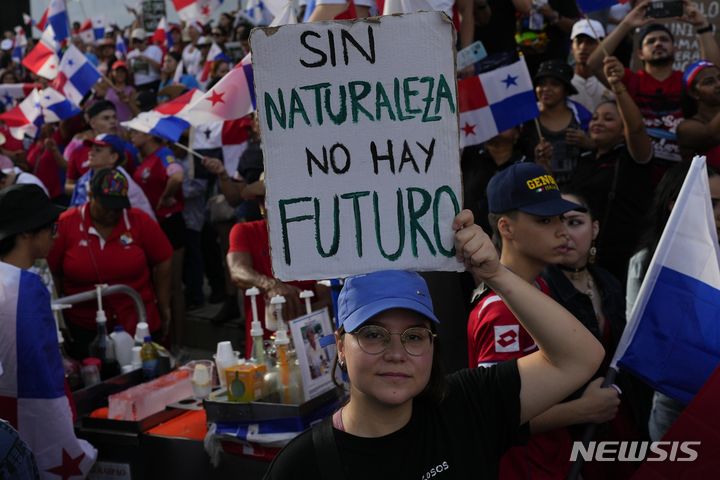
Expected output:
(169, 65)
(706, 87)
(582, 230)
(550, 91)
(393, 377)
(606, 126)
(120, 75)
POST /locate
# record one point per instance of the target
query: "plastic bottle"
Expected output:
(123, 343)
(102, 347)
(274, 319)
(142, 330)
(150, 358)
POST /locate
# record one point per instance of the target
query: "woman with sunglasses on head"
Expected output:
(404, 418)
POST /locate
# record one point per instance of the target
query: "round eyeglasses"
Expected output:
(374, 339)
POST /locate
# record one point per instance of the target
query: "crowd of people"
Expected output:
(611, 147)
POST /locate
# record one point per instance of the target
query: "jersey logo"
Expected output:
(145, 174)
(507, 338)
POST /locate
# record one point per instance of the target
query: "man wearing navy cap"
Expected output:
(526, 216)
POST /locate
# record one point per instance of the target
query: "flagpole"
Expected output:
(590, 428)
(602, 44)
(189, 150)
(539, 131)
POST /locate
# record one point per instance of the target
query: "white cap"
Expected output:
(142, 330)
(6, 44)
(307, 294)
(139, 33)
(591, 28)
(252, 291)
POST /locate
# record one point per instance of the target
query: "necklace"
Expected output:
(575, 273)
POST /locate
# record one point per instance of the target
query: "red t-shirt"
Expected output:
(252, 238)
(659, 103)
(82, 259)
(152, 176)
(11, 144)
(495, 335)
(44, 167)
(78, 163)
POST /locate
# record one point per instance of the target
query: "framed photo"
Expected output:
(315, 361)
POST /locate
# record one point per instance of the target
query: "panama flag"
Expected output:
(42, 59)
(180, 105)
(120, 47)
(57, 17)
(99, 27)
(231, 98)
(195, 10)
(165, 126)
(32, 390)
(25, 117)
(672, 338)
(214, 54)
(11, 93)
(159, 37)
(495, 101)
(230, 137)
(76, 76)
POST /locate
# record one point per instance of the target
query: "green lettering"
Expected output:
(355, 196)
(284, 221)
(382, 100)
(336, 229)
(408, 93)
(271, 108)
(355, 98)
(414, 214)
(318, 98)
(296, 106)
(444, 91)
(401, 226)
(398, 106)
(436, 218)
(428, 99)
(341, 116)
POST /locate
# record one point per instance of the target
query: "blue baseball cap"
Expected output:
(116, 143)
(529, 188)
(364, 296)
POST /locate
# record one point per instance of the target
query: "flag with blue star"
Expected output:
(495, 101)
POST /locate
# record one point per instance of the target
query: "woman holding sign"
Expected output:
(405, 419)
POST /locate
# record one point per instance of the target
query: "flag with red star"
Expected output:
(495, 101)
(32, 390)
(196, 10)
(231, 98)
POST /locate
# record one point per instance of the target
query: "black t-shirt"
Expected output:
(462, 437)
(621, 219)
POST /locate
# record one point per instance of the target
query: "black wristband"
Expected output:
(709, 28)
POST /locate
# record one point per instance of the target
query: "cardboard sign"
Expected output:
(360, 139)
